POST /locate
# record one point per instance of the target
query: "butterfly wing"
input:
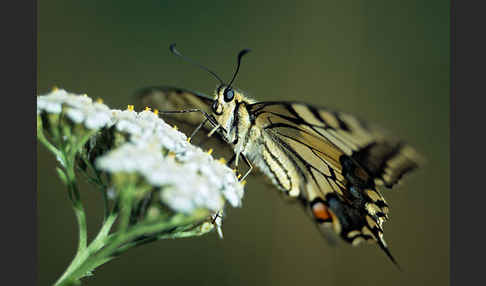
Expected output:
(340, 160)
(168, 98)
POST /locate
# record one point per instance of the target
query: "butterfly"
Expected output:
(330, 161)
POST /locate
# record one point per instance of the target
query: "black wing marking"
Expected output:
(385, 158)
(341, 159)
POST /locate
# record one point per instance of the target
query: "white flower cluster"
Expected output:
(191, 179)
(79, 108)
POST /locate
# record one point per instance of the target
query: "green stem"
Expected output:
(78, 145)
(94, 246)
(81, 219)
(126, 197)
(95, 255)
(99, 240)
(80, 214)
(42, 138)
(183, 232)
(77, 206)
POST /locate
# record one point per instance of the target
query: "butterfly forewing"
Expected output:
(166, 98)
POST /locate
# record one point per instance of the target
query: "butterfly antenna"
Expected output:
(240, 55)
(384, 247)
(188, 60)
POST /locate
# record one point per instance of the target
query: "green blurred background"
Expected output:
(386, 61)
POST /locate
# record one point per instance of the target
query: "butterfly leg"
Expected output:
(250, 167)
(214, 130)
(198, 128)
(206, 115)
(234, 158)
(208, 118)
(230, 163)
(237, 160)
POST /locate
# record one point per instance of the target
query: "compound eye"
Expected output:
(228, 94)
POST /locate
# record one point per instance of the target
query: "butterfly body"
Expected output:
(331, 161)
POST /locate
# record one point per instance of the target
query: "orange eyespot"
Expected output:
(320, 211)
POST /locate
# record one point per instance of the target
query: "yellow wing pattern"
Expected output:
(340, 161)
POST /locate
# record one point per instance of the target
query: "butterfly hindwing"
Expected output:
(340, 160)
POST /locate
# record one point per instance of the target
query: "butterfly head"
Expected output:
(224, 105)
(226, 98)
